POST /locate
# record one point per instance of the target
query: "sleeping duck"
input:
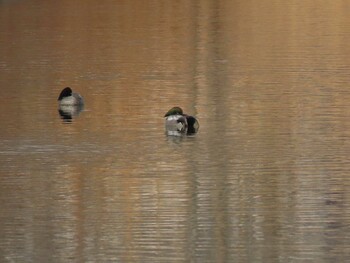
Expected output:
(177, 121)
(69, 98)
(70, 104)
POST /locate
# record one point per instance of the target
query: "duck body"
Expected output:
(69, 98)
(177, 121)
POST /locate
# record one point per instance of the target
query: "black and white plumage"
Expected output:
(69, 98)
(177, 121)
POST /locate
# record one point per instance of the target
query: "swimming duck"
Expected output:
(176, 120)
(69, 98)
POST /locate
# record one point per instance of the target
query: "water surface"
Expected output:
(265, 179)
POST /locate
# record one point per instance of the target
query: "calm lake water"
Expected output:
(266, 177)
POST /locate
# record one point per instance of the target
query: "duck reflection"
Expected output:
(67, 112)
(178, 124)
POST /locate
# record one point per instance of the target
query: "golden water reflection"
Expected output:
(265, 179)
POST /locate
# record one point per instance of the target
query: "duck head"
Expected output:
(174, 111)
(66, 92)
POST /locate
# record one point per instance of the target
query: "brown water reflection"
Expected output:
(264, 180)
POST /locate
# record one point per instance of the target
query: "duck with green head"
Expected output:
(176, 120)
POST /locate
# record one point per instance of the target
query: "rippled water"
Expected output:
(265, 179)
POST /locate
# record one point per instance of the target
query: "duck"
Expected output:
(69, 98)
(178, 121)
